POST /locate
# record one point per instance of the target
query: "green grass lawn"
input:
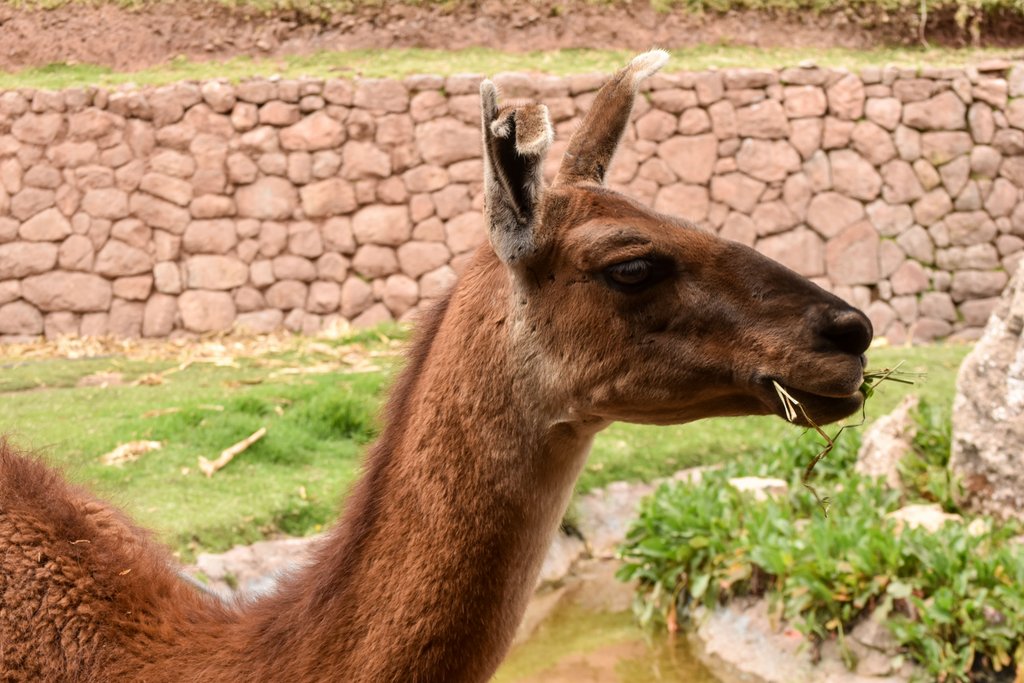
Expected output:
(290, 481)
(319, 415)
(396, 63)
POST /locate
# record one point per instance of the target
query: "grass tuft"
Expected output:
(399, 63)
(330, 416)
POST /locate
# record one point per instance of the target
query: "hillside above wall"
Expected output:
(37, 33)
(197, 207)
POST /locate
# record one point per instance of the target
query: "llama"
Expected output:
(584, 308)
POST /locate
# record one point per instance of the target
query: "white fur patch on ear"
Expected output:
(535, 139)
(500, 127)
(647, 64)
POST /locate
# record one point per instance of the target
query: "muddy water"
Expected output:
(578, 646)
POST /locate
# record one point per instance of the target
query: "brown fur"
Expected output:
(537, 348)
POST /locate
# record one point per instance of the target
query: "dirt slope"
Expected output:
(125, 40)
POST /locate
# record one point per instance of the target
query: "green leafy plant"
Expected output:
(965, 610)
(924, 471)
(954, 598)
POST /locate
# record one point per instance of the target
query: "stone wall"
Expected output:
(299, 203)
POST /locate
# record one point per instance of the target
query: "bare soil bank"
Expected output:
(134, 39)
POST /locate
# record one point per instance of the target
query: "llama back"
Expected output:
(84, 594)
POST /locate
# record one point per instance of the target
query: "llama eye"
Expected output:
(630, 273)
(637, 274)
(632, 276)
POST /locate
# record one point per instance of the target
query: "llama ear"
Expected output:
(515, 142)
(593, 144)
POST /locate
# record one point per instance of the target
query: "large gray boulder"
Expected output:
(988, 412)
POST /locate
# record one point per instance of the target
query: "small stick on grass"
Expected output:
(790, 406)
(210, 467)
(129, 452)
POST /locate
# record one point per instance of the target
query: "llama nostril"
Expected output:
(848, 330)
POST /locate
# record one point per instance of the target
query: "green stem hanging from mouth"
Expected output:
(791, 406)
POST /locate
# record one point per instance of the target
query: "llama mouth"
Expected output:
(808, 407)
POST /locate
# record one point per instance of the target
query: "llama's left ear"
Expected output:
(515, 142)
(593, 145)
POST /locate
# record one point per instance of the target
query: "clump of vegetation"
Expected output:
(966, 20)
(953, 599)
(924, 470)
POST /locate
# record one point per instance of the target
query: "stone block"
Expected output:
(380, 94)
(804, 100)
(765, 119)
(290, 267)
(884, 111)
(46, 226)
(852, 256)
(945, 111)
(900, 184)
(260, 322)
(364, 160)
(64, 291)
(853, 176)
(37, 129)
(215, 273)
(806, 135)
(680, 199)
(800, 250)
(216, 236)
(135, 288)
(656, 125)
(873, 143)
(117, 259)
(30, 201)
(205, 311)
(158, 213)
(830, 213)
(167, 278)
(445, 141)
(691, 158)
(330, 197)
(318, 131)
(169, 188)
(287, 295)
(382, 224)
(20, 318)
(977, 284)
(416, 258)
(767, 160)
(846, 98)
(465, 232)
(375, 261)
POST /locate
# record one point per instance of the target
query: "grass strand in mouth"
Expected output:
(793, 407)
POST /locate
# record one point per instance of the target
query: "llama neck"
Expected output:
(430, 570)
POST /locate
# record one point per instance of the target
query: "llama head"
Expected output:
(643, 317)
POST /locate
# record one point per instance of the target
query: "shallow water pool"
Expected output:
(578, 646)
